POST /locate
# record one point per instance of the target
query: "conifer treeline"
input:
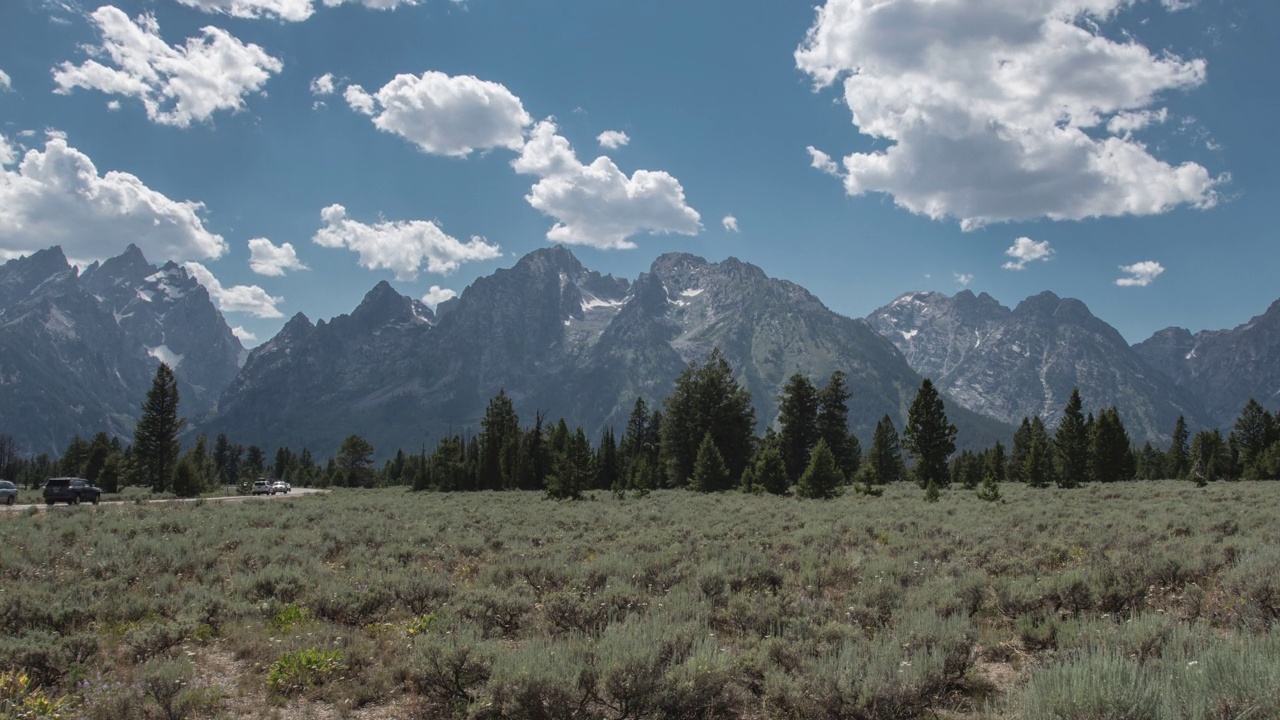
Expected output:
(703, 439)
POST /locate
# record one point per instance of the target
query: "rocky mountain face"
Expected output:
(1223, 368)
(78, 351)
(171, 314)
(562, 340)
(1008, 364)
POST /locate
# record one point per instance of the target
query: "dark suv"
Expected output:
(71, 491)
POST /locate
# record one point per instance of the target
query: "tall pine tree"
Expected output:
(833, 424)
(929, 437)
(798, 418)
(822, 478)
(155, 438)
(1179, 455)
(707, 398)
(884, 459)
(1071, 444)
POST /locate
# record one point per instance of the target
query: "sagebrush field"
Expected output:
(1133, 600)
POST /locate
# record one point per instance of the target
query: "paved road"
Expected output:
(296, 492)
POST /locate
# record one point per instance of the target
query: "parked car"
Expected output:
(71, 491)
(263, 487)
(8, 493)
(279, 486)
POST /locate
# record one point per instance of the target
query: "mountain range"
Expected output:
(78, 350)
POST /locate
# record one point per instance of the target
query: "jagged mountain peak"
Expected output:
(383, 305)
(131, 266)
(556, 258)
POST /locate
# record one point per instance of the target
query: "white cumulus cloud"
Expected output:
(290, 10)
(998, 110)
(1140, 274)
(597, 204)
(5, 82)
(613, 139)
(177, 84)
(245, 336)
(265, 258)
(57, 197)
(238, 298)
(963, 279)
(822, 161)
(1025, 250)
(445, 115)
(730, 223)
(402, 247)
(323, 85)
(437, 295)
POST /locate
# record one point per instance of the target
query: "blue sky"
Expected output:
(296, 152)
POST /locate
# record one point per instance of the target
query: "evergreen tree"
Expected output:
(1151, 464)
(706, 398)
(186, 478)
(771, 472)
(99, 450)
(885, 455)
(537, 455)
(608, 474)
(995, 464)
(74, 457)
(1040, 434)
(201, 463)
(709, 471)
(445, 465)
(255, 463)
(355, 461)
(833, 424)
(989, 491)
(1071, 444)
(1209, 457)
(1111, 456)
(1018, 457)
(822, 479)
(928, 436)
(931, 493)
(155, 438)
(635, 438)
(798, 420)
(283, 467)
(500, 428)
(572, 471)
(1179, 455)
(1037, 468)
(1253, 433)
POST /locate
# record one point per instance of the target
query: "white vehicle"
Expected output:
(279, 486)
(263, 487)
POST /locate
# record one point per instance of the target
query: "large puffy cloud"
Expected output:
(291, 10)
(266, 258)
(445, 115)
(998, 110)
(597, 204)
(437, 295)
(177, 85)
(1140, 274)
(57, 197)
(402, 247)
(1025, 250)
(237, 298)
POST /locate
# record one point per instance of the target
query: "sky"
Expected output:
(294, 153)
